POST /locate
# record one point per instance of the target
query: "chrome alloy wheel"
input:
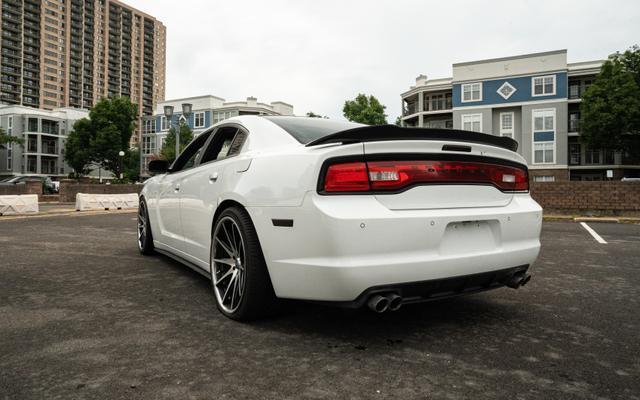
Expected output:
(142, 225)
(227, 264)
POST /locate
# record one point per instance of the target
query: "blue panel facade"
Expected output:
(543, 136)
(522, 84)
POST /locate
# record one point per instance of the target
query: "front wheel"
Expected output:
(145, 239)
(239, 275)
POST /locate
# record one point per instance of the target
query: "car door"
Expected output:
(202, 187)
(169, 187)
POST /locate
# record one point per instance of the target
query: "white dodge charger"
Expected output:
(312, 209)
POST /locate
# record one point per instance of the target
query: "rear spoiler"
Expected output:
(383, 133)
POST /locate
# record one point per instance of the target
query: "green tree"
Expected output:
(366, 110)
(311, 114)
(132, 165)
(399, 121)
(168, 151)
(100, 138)
(77, 149)
(610, 108)
(6, 139)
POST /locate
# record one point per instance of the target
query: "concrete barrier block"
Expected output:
(89, 201)
(19, 204)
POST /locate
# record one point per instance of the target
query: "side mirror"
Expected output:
(158, 166)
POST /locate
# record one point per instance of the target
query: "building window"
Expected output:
(544, 133)
(472, 122)
(33, 125)
(149, 126)
(544, 178)
(574, 122)
(164, 126)
(148, 144)
(574, 153)
(198, 120)
(543, 85)
(506, 124)
(471, 92)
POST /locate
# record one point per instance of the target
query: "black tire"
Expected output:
(145, 237)
(253, 284)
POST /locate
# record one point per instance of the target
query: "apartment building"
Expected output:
(71, 53)
(206, 111)
(44, 133)
(533, 98)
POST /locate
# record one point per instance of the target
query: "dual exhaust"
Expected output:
(384, 302)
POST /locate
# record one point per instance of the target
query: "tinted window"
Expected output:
(227, 142)
(306, 130)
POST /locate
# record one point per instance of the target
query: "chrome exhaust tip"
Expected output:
(395, 302)
(517, 280)
(378, 303)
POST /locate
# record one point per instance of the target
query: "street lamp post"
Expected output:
(121, 154)
(168, 113)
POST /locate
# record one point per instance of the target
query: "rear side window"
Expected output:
(227, 142)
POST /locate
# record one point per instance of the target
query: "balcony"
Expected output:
(574, 125)
(50, 147)
(48, 166)
(577, 88)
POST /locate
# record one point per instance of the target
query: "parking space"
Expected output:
(83, 315)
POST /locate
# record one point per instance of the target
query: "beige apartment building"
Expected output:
(71, 53)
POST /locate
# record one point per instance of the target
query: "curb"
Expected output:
(571, 218)
(70, 213)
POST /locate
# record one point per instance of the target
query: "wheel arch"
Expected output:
(233, 202)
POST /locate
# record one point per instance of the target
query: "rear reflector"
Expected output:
(397, 175)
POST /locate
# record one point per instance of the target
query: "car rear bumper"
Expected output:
(339, 248)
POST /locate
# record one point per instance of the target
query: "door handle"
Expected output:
(213, 177)
(177, 187)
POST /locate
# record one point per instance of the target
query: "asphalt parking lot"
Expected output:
(84, 316)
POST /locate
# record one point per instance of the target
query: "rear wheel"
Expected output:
(145, 239)
(239, 275)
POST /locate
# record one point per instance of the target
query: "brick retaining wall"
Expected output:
(29, 187)
(69, 189)
(598, 198)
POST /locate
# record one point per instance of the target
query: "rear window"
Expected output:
(306, 130)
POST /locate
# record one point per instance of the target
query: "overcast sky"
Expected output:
(316, 54)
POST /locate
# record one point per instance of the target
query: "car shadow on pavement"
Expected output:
(437, 317)
(488, 309)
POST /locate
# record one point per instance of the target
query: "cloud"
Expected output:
(317, 54)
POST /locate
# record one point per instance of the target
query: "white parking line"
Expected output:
(593, 233)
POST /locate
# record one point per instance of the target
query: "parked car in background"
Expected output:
(47, 184)
(630, 179)
(342, 213)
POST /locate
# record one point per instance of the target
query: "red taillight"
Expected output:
(349, 177)
(396, 175)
